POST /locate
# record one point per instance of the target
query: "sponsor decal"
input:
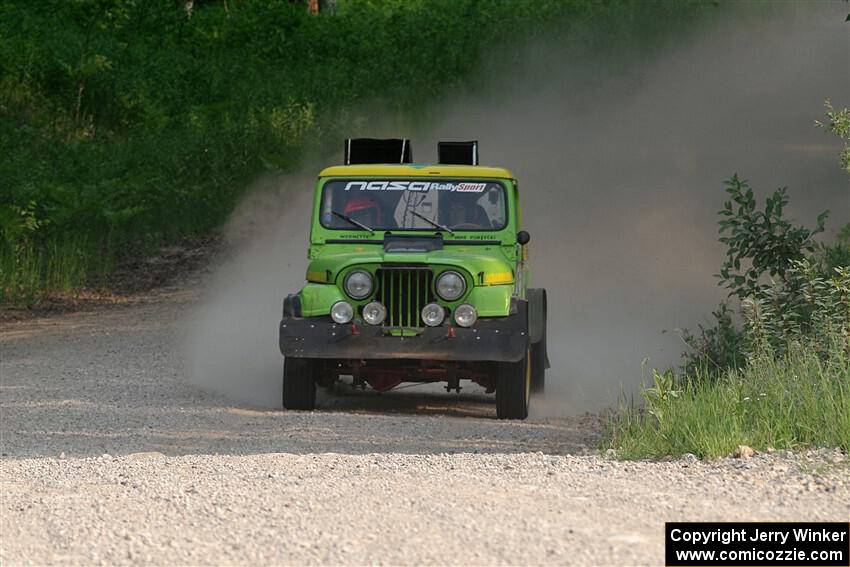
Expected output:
(417, 186)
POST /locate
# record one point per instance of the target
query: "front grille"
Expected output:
(404, 292)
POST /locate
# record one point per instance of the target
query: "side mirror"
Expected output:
(522, 238)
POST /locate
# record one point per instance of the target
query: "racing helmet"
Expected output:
(362, 205)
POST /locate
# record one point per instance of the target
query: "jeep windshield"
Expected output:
(414, 204)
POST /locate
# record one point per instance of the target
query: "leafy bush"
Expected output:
(762, 248)
(780, 380)
(762, 242)
(716, 348)
(835, 255)
(803, 309)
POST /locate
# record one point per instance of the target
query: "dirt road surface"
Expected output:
(110, 456)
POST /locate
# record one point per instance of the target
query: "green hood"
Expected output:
(484, 264)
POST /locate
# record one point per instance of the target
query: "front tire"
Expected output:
(299, 383)
(513, 389)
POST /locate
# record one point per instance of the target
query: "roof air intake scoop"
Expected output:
(372, 150)
(458, 153)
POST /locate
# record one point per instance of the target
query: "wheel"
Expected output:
(538, 367)
(299, 383)
(513, 389)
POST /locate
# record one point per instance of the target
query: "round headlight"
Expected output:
(433, 314)
(374, 313)
(358, 284)
(465, 315)
(450, 286)
(342, 312)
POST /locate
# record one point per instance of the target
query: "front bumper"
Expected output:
(501, 339)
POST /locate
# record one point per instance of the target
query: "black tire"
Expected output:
(513, 389)
(538, 367)
(299, 383)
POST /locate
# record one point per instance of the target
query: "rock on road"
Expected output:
(110, 456)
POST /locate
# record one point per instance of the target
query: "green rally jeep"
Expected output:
(417, 273)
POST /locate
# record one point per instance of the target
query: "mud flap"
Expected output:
(537, 309)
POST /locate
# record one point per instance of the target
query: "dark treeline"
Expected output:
(128, 123)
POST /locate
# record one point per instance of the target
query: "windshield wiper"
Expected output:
(432, 223)
(354, 222)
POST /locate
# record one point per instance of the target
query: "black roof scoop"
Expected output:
(457, 153)
(374, 150)
(417, 243)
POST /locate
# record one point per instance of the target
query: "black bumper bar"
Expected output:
(502, 339)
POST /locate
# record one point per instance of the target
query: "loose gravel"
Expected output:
(110, 456)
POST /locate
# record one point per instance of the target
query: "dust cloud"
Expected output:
(232, 336)
(621, 159)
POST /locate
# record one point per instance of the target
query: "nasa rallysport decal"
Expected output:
(415, 186)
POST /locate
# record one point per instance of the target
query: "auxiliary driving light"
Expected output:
(450, 286)
(465, 315)
(433, 314)
(358, 284)
(342, 312)
(374, 313)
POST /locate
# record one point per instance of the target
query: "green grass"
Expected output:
(796, 400)
(60, 266)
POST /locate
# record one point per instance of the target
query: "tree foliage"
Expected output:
(759, 243)
(126, 123)
(788, 287)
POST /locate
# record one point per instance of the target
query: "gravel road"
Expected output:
(110, 456)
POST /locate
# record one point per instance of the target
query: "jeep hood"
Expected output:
(330, 260)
